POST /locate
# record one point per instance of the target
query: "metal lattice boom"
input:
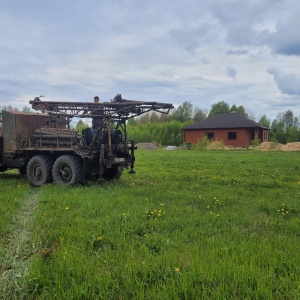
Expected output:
(125, 109)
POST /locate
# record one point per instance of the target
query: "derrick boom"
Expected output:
(125, 109)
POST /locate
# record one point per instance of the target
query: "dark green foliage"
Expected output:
(80, 126)
(169, 133)
(219, 108)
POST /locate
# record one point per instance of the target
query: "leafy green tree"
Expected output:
(80, 126)
(26, 109)
(278, 132)
(285, 128)
(199, 114)
(145, 118)
(164, 118)
(132, 122)
(154, 117)
(240, 110)
(184, 112)
(292, 134)
(168, 133)
(264, 121)
(9, 107)
(288, 118)
(219, 108)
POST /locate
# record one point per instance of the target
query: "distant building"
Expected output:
(233, 129)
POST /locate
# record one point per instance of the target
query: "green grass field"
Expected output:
(187, 225)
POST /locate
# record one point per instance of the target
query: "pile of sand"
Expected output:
(267, 146)
(295, 146)
(216, 145)
(271, 146)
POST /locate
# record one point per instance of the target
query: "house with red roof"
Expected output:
(233, 129)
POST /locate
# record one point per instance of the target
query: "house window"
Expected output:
(210, 135)
(231, 135)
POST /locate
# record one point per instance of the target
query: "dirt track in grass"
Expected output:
(19, 249)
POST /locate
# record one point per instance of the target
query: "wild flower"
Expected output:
(284, 210)
(154, 214)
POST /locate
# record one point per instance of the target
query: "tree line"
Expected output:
(166, 129)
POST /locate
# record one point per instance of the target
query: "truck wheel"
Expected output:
(112, 173)
(67, 169)
(39, 170)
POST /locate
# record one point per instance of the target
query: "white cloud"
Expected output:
(170, 51)
(287, 83)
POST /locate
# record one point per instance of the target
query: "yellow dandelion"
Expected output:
(67, 208)
(177, 269)
(99, 238)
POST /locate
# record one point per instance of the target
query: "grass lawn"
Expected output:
(187, 225)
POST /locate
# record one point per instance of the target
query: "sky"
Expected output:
(241, 52)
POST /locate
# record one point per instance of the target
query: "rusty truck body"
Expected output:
(44, 147)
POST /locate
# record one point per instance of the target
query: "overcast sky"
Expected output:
(241, 52)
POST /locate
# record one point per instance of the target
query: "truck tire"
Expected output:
(39, 170)
(112, 173)
(67, 170)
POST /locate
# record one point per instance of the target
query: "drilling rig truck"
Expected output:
(44, 147)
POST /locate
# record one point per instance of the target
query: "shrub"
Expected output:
(256, 141)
